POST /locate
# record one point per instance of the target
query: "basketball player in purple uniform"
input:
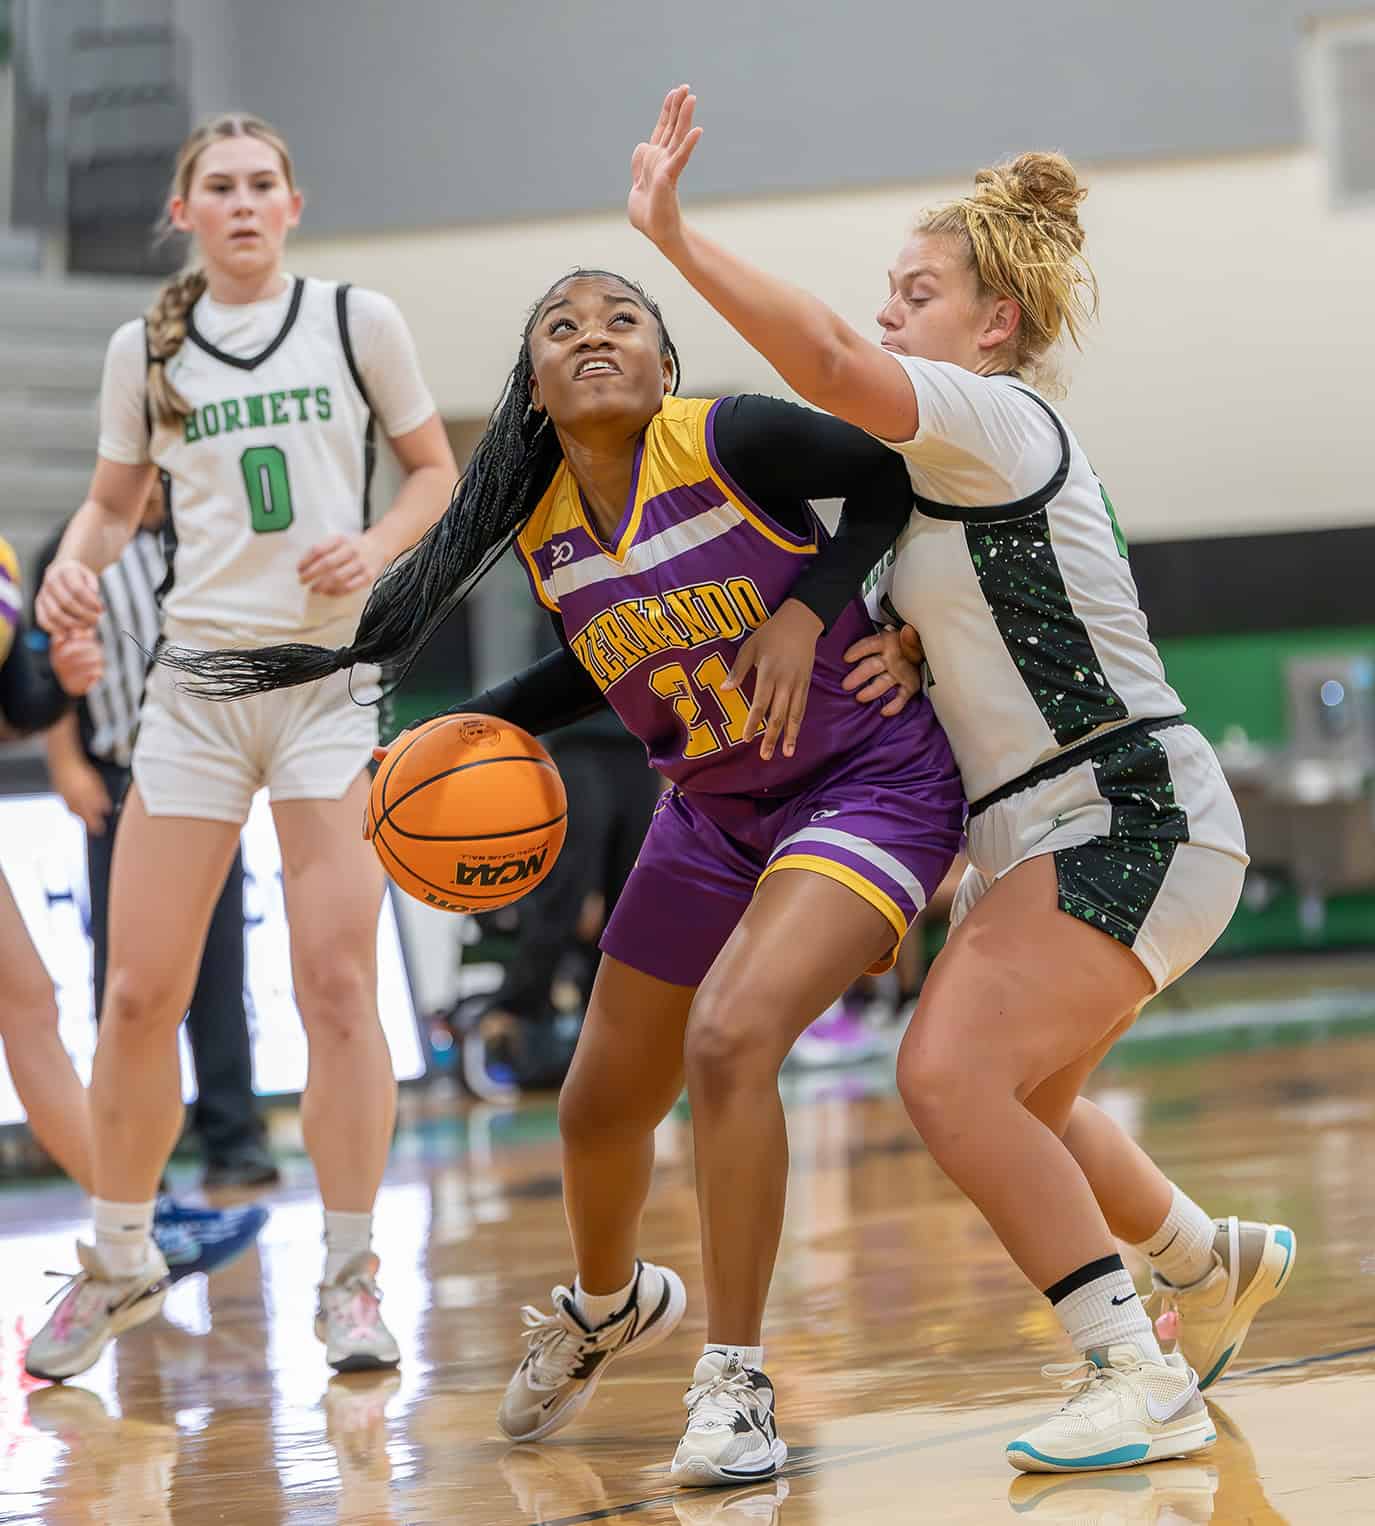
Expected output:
(673, 544)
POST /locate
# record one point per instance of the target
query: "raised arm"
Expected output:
(812, 347)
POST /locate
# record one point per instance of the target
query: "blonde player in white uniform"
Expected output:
(256, 393)
(1106, 852)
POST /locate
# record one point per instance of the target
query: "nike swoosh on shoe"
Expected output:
(1163, 1417)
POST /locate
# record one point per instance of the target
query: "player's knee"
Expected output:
(142, 999)
(937, 1090)
(727, 1043)
(337, 997)
(585, 1119)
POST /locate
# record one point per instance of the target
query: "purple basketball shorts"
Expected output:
(887, 824)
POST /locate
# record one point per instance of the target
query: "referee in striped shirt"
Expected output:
(88, 762)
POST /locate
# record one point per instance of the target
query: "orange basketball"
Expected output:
(467, 813)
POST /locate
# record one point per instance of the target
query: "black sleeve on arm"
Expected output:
(553, 692)
(30, 697)
(781, 455)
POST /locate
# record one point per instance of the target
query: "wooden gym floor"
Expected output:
(905, 1348)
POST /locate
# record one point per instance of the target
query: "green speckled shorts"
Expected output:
(1147, 841)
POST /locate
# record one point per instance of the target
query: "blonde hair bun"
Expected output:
(1035, 184)
(1023, 238)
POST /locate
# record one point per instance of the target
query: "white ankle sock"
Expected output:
(597, 1308)
(1099, 1306)
(346, 1236)
(1181, 1250)
(123, 1235)
(748, 1356)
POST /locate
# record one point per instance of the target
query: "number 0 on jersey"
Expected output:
(269, 490)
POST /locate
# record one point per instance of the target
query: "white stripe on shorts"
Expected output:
(861, 847)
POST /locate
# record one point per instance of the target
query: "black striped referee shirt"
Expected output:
(128, 630)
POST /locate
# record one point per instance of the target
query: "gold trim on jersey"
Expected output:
(674, 455)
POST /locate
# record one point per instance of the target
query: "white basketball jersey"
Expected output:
(274, 457)
(1014, 571)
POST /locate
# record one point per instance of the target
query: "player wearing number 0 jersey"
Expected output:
(1106, 852)
(257, 395)
(286, 396)
(273, 458)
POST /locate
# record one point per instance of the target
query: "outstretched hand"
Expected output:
(655, 166)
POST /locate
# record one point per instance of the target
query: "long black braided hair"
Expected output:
(510, 471)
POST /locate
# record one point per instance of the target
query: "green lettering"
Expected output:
(872, 580)
(257, 413)
(323, 407)
(231, 415)
(301, 394)
(278, 401)
(192, 426)
(210, 420)
(268, 487)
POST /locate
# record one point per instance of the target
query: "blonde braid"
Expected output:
(166, 322)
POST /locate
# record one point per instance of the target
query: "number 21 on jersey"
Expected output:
(703, 736)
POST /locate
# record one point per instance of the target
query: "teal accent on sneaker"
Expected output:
(1115, 1458)
(1285, 1237)
(1217, 1367)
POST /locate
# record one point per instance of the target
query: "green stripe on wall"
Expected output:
(1239, 680)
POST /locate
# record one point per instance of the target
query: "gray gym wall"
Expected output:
(424, 113)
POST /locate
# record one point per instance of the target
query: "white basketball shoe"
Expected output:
(567, 1358)
(1122, 1411)
(94, 1308)
(732, 1434)
(348, 1319)
(1210, 1318)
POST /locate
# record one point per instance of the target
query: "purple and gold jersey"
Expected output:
(658, 617)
